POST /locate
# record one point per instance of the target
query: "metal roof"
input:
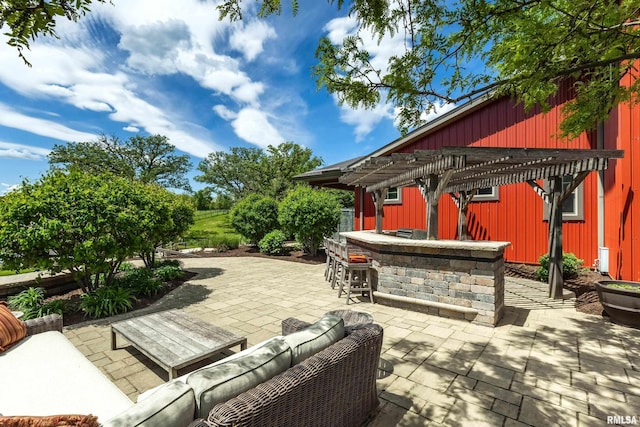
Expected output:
(468, 168)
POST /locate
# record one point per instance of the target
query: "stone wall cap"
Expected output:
(371, 238)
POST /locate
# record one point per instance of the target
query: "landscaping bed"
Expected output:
(584, 286)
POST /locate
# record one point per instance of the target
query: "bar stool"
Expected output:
(329, 264)
(356, 273)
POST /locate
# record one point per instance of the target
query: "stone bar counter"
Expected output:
(447, 278)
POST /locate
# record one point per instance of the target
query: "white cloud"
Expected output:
(224, 112)
(437, 111)
(15, 120)
(155, 38)
(253, 126)
(21, 151)
(249, 39)
(86, 84)
(154, 48)
(6, 188)
(364, 120)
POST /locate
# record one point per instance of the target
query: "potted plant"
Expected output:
(621, 300)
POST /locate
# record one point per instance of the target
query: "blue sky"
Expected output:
(172, 68)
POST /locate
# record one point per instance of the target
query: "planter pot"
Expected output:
(622, 305)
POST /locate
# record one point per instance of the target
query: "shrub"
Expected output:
(571, 267)
(107, 301)
(255, 216)
(310, 216)
(167, 273)
(31, 303)
(140, 281)
(272, 243)
(165, 262)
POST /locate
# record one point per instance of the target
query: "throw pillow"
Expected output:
(50, 421)
(12, 329)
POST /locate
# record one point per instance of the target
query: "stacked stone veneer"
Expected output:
(462, 280)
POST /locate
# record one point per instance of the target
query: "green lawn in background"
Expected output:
(12, 272)
(212, 229)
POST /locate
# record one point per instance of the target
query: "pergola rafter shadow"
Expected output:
(462, 171)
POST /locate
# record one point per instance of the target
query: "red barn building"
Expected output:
(599, 214)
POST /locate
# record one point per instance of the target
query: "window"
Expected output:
(394, 196)
(572, 207)
(487, 194)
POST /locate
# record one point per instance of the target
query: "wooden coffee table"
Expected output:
(175, 340)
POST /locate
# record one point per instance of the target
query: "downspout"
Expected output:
(361, 196)
(600, 146)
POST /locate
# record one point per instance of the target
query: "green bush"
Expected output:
(167, 273)
(254, 217)
(309, 215)
(31, 303)
(107, 301)
(167, 262)
(141, 281)
(571, 267)
(272, 243)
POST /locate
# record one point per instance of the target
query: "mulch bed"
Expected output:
(252, 251)
(583, 286)
(74, 315)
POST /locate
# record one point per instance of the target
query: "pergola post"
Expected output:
(462, 201)
(556, 281)
(432, 207)
(378, 200)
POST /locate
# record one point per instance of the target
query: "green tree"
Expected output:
(28, 19)
(284, 162)
(202, 199)
(222, 202)
(156, 233)
(149, 159)
(235, 173)
(457, 50)
(345, 198)
(255, 216)
(309, 215)
(243, 171)
(88, 224)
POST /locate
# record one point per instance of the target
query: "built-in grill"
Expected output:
(411, 233)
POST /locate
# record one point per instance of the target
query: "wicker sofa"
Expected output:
(335, 386)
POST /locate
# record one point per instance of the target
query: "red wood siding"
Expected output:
(518, 216)
(622, 231)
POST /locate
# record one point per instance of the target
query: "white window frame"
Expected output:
(397, 200)
(491, 197)
(578, 197)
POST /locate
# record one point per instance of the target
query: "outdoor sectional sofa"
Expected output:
(314, 375)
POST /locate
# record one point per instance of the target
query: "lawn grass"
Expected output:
(212, 229)
(12, 272)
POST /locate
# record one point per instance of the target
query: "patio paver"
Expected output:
(543, 364)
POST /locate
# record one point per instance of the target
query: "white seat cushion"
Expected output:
(45, 374)
(317, 337)
(172, 404)
(221, 381)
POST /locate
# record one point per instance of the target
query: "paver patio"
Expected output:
(539, 367)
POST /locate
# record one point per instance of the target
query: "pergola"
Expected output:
(462, 171)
